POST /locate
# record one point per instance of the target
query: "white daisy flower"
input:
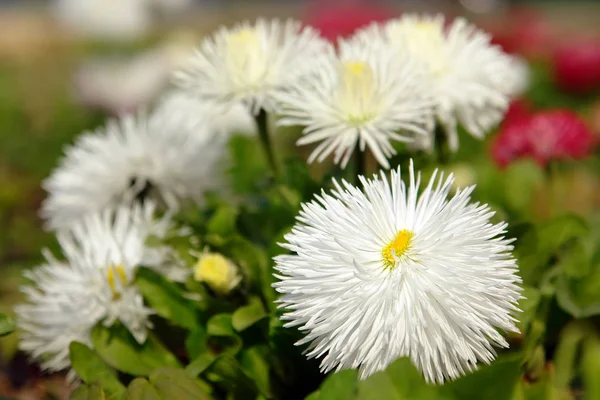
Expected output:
(170, 156)
(368, 95)
(468, 73)
(251, 63)
(92, 285)
(387, 272)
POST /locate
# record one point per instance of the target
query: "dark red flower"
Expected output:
(518, 110)
(544, 136)
(577, 65)
(340, 19)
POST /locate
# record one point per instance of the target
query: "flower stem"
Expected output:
(265, 139)
(359, 164)
(442, 149)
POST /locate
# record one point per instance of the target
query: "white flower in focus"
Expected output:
(93, 284)
(251, 63)
(368, 95)
(468, 74)
(105, 19)
(170, 156)
(388, 272)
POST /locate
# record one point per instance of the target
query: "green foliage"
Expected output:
(166, 299)
(206, 345)
(120, 350)
(7, 324)
(166, 383)
(89, 392)
(90, 367)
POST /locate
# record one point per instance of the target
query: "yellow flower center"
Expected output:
(112, 273)
(357, 95)
(426, 42)
(396, 248)
(245, 57)
(217, 271)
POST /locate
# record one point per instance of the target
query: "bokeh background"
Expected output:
(66, 65)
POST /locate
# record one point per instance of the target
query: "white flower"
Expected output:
(93, 284)
(235, 119)
(105, 19)
(368, 96)
(387, 272)
(251, 63)
(122, 85)
(518, 78)
(170, 156)
(469, 75)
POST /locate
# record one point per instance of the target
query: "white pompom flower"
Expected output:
(170, 156)
(388, 272)
(367, 96)
(251, 63)
(92, 285)
(470, 76)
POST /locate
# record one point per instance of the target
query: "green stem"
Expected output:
(442, 149)
(359, 164)
(265, 139)
(565, 355)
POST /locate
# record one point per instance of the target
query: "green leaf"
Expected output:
(7, 324)
(255, 263)
(166, 299)
(255, 364)
(222, 335)
(200, 364)
(580, 297)
(339, 386)
(246, 316)
(120, 350)
(90, 368)
(496, 381)
(228, 373)
(247, 169)
(400, 380)
(195, 343)
(88, 392)
(174, 383)
(528, 305)
(222, 223)
(141, 389)
(535, 248)
(590, 366)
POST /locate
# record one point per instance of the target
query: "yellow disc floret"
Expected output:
(357, 95)
(396, 248)
(112, 273)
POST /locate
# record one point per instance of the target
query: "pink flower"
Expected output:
(340, 19)
(577, 65)
(543, 136)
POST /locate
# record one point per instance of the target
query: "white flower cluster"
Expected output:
(389, 82)
(375, 274)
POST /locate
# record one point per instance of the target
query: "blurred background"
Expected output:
(66, 65)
